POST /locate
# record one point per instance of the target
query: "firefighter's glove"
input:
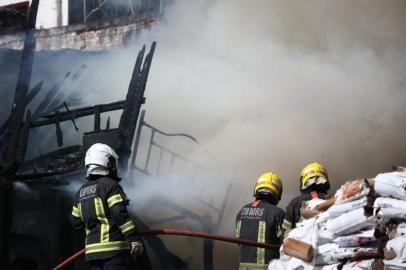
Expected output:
(137, 248)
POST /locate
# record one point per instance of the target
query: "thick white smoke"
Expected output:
(274, 85)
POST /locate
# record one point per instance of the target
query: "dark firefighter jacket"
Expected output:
(259, 221)
(100, 206)
(293, 209)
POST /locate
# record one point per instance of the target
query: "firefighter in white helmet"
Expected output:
(261, 221)
(100, 207)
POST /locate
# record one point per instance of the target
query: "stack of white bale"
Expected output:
(361, 227)
(391, 208)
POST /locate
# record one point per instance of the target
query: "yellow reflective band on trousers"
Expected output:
(261, 239)
(75, 212)
(129, 225)
(101, 216)
(114, 199)
(252, 266)
(238, 229)
(107, 246)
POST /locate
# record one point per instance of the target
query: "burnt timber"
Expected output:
(14, 132)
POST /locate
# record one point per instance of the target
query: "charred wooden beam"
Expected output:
(31, 95)
(73, 120)
(33, 92)
(14, 134)
(49, 97)
(58, 130)
(56, 104)
(23, 84)
(132, 91)
(97, 118)
(108, 123)
(5, 221)
(77, 113)
(23, 139)
(134, 100)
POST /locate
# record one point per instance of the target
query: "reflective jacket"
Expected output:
(259, 221)
(293, 209)
(100, 206)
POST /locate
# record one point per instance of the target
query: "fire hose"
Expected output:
(184, 233)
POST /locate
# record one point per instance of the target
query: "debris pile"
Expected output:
(363, 226)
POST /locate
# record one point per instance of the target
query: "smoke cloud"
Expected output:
(274, 85)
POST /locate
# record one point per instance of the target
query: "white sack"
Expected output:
(326, 254)
(350, 222)
(322, 217)
(391, 184)
(324, 236)
(359, 265)
(342, 208)
(357, 239)
(398, 245)
(391, 208)
(280, 263)
(290, 263)
(348, 252)
(306, 231)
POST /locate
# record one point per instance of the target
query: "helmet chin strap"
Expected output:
(97, 170)
(323, 188)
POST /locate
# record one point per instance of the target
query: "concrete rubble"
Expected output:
(363, 226)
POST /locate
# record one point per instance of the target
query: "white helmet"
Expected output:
(101, 159)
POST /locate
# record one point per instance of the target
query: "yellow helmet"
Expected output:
(310, 171)
(270, 181)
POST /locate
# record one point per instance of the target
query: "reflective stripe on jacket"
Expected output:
(100, 206)
(261, 222)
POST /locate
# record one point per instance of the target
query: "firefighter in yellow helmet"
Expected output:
(261, 221)
(314, 183)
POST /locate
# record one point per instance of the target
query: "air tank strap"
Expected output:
(256, 203)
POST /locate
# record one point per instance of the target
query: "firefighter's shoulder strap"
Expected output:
(255, 203)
